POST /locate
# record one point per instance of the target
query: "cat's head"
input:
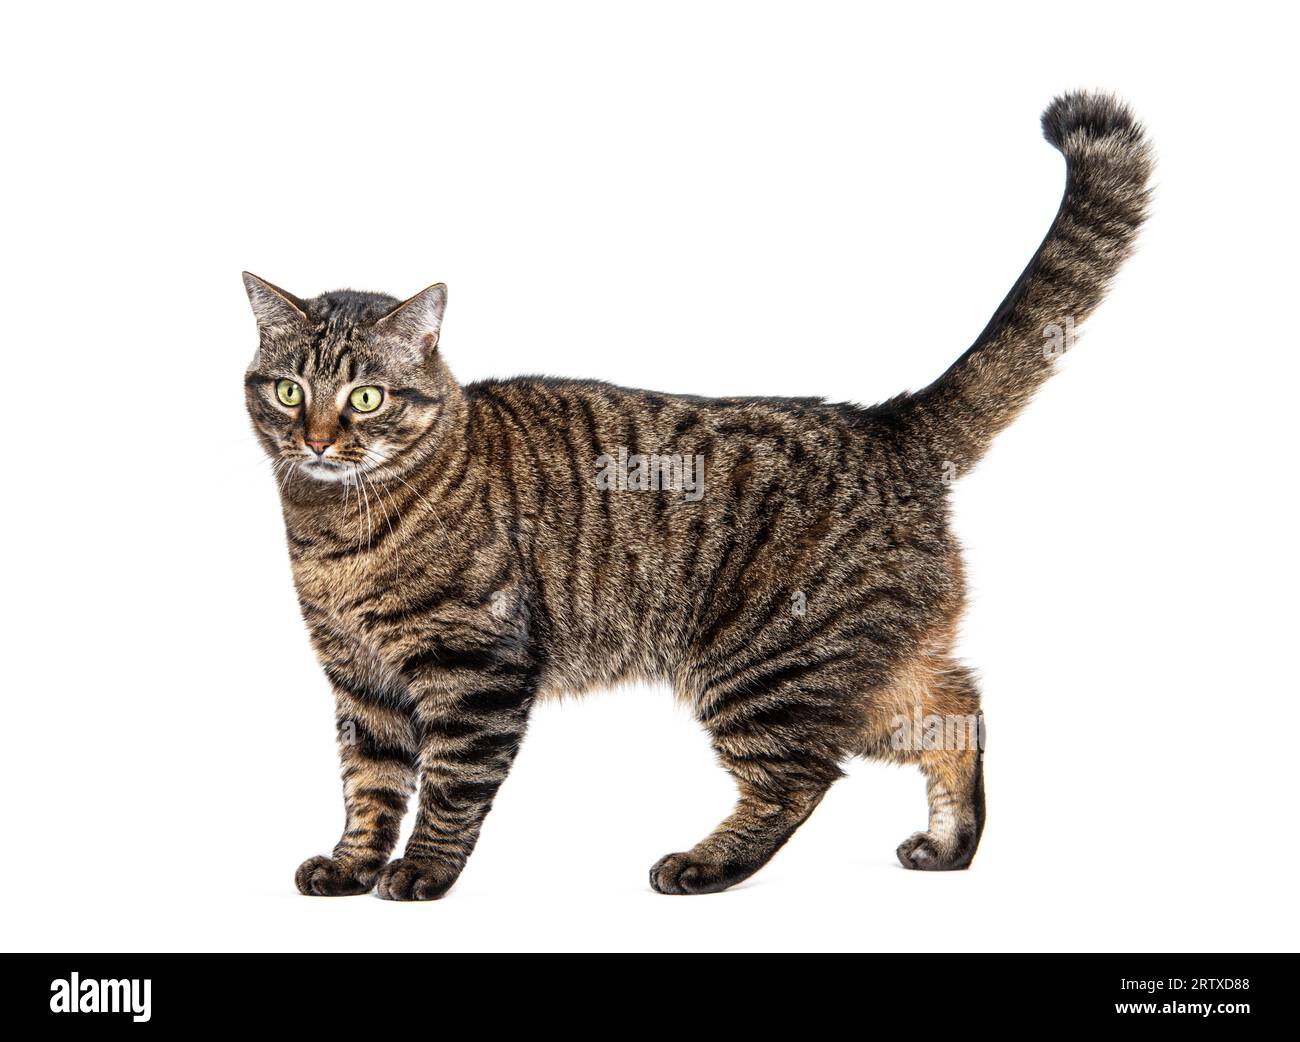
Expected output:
(347, 381)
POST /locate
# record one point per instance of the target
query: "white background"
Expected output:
(707, 198)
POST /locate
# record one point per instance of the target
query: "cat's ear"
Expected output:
(272, 306)
(418, 321)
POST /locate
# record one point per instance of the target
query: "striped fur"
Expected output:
(458, 558)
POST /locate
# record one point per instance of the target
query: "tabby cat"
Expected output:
(461, 552)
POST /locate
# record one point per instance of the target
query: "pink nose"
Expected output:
(319, 447)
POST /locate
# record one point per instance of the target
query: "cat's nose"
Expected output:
(320, 446)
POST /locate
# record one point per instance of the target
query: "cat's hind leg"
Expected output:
(758, 827)
(783, 742)
(955, 791)
(932, 718)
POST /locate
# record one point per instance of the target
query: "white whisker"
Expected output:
(420, 495)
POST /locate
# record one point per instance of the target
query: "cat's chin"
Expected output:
(323, 471)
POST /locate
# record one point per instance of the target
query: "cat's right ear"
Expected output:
(273, 306)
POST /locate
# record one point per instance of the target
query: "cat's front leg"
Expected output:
(471, 708)
(378, 751)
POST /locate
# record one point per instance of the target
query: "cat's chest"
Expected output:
(342, 595)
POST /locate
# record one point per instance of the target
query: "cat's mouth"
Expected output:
(328, 467)
(321, 469)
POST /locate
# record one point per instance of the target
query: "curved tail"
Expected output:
(1109, 162)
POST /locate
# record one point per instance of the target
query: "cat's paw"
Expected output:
(685, 874)
(325, 877)
(411, 879)
(922, 851)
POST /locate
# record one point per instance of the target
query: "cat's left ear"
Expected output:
(418, 321)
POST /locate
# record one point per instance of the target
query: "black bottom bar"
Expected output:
(143, 993)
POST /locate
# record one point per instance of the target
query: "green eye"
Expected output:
(366, 399)
(288, 392)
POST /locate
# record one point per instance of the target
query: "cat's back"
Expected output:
(598, 418)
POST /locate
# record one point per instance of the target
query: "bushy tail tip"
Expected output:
(1083, 117)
